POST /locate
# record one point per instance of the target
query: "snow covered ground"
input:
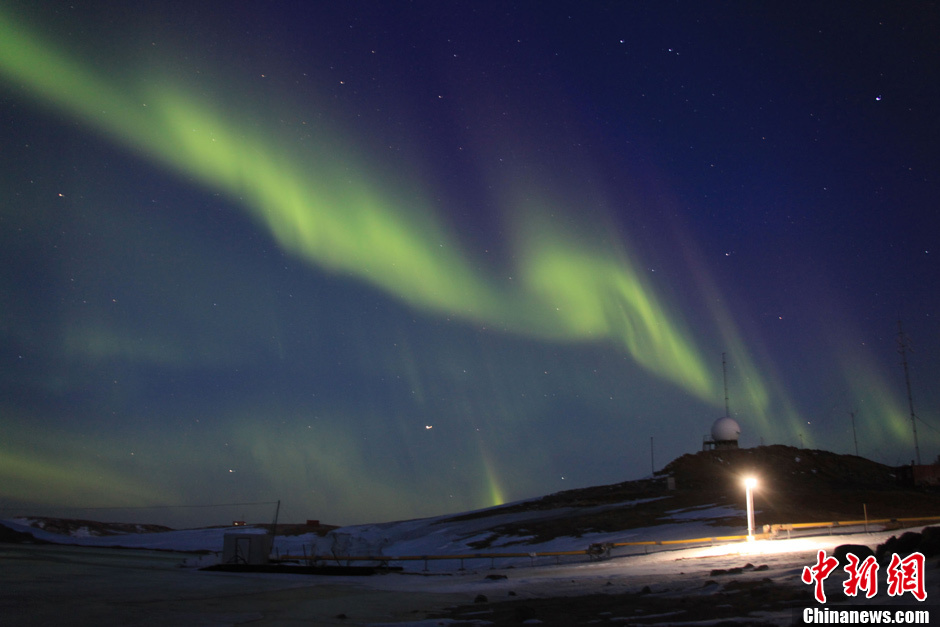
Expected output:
(439, 536)
(145, 588)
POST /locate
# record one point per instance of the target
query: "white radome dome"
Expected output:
(726, 430)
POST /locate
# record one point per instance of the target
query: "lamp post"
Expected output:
(749, 485)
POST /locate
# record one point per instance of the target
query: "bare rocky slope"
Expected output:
(795, 486)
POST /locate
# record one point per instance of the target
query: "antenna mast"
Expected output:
(724, 374)
(902, 348)
(854, 437)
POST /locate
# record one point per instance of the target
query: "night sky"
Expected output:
(383, 260)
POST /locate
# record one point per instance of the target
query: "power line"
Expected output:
(927, 424)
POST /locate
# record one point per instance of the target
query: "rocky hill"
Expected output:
(795, 486)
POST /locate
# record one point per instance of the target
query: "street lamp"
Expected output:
(749, 484)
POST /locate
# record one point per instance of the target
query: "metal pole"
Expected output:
(749, 495)
(652, 462)
(902, 348)
(852, 414)
(724, 375)
(277, 512)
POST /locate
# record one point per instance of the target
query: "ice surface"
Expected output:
(677, 570)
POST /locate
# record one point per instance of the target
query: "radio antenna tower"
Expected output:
(902, 348)
(724, 374)
(854, 437)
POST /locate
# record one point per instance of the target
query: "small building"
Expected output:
(920, 475)
(246, 548)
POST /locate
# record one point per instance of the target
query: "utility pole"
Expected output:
(724, 375)
(652, 462)
(902, 348)
(852, 414)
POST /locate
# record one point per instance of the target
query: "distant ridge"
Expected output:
(794, 486)
(783, 467)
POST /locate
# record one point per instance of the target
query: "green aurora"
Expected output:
(569, 285)
(331, 212)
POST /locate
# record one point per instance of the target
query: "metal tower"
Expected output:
(902, 348)
(724, 374)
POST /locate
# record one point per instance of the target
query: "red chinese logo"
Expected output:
(861, 576)
(817, 574)
(907, 575)
(904, 575)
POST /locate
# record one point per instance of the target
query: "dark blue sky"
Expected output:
(386, 260)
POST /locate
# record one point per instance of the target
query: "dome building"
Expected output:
(724, 435)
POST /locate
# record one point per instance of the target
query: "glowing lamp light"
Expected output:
(749, 484)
